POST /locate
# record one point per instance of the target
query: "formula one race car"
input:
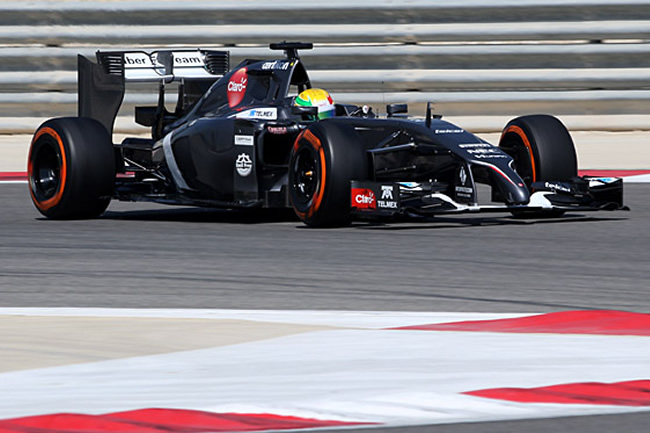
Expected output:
(259, 136)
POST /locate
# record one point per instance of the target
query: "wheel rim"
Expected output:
(305, 175)
(45, 176)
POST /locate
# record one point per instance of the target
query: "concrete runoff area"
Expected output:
(41, 341)
(13, 152)
(615, 150)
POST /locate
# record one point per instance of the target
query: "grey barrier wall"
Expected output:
(468, 57)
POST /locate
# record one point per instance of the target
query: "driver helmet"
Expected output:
(317, 98)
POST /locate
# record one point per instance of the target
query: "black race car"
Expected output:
(236, 139)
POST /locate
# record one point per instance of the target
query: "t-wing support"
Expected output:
(291, 48)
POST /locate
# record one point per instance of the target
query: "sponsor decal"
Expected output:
(259, 113)
(135, 64)
(463, 190)
(363, 198)
(474, 145)
(494, 154)
(415, 186)
(557, 187)
(606, 179)
(386, 192)
(276, 66)
(188, 59)
(487, 153)
(387, 204)
(483, 150)
(602, 181)
(387, 198)
(244, 164)
(237, 87)
(158, 65)
(243, 140)
(448, 131)
(135, 60)
(462, 176)
(277, 130)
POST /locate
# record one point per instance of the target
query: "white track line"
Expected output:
(347, 319)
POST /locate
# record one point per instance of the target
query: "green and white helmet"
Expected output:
(317, 98)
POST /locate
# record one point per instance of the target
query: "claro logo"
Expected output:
(237, 87)
(363, 198)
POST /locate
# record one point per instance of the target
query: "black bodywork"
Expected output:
(229, 140)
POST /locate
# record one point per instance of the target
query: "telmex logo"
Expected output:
(363, 198)
(237, 87)
(259, 113)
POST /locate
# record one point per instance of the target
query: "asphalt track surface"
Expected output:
(150, 256)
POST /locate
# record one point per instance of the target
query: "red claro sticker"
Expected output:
(237, 87)
(363, 198)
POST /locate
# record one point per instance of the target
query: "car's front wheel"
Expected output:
(543, 151)
(324, 159)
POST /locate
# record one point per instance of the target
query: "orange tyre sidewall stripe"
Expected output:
(51, 202)
(318, 199)
(520, 132)
(296, 145)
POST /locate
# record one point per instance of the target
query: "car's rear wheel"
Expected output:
(324, 159)
(71, 168)
(542, 150)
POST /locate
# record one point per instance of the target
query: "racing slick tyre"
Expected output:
(71, 168)
(542, 150)
(324, 159)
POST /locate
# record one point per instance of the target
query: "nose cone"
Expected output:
(512, 185)
(519, 194)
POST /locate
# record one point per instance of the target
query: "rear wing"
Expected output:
(101, 85)
(168, 65)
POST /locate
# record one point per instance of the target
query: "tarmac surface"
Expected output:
(145, 255)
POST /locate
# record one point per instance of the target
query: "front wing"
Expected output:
(429, 198)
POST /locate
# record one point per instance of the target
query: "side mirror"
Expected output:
(393, 109)
(306, 113)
